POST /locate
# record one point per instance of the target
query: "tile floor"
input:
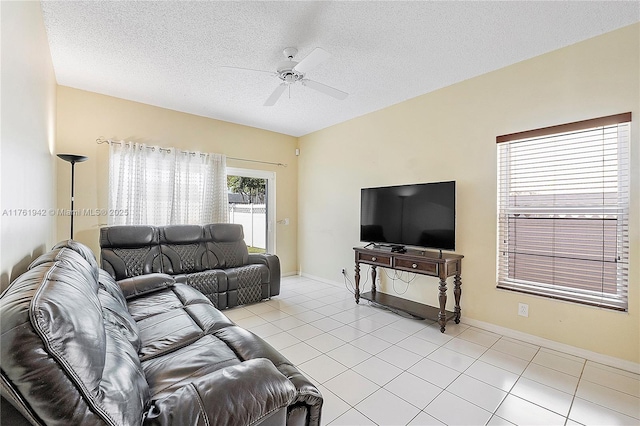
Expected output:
(377, 367)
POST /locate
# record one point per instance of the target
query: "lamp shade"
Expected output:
(72, 158)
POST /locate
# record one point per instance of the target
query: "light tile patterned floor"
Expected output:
(375, 367)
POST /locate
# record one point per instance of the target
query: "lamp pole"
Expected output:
(73, 159)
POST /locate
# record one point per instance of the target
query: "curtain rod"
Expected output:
(100, 141)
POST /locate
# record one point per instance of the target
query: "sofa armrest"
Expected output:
(247, 345)
(273, 263)
(242, 394)
(144, 284)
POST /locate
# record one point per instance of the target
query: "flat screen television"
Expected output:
(420, 215)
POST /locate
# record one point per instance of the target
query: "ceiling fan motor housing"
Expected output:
(286, 72)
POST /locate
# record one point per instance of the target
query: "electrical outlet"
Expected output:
(523, 309)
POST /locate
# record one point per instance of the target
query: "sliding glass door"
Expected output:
(252, 205)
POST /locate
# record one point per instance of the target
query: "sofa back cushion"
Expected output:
(64, 254)
(82, 250)
(129, 251)
(114, 309)
(66, 362)
(183, 249)
(109, 284)
(226, 243)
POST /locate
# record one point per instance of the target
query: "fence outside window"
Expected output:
(253, 218)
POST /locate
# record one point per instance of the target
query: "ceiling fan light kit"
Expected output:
(291, 72)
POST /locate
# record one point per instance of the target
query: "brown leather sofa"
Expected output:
(79, 348)
(211, 258)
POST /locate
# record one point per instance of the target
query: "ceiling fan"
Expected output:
(291, 72)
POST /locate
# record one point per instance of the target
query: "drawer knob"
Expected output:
(374, 258)
(414, 266)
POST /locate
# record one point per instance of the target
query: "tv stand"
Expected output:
(435, 264)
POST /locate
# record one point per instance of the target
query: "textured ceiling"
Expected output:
(172, 54)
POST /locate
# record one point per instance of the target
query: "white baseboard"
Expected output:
(289, 274)
(611, 361)
(322, 280)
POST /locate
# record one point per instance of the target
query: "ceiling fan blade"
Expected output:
(271, 101)
(312, 60)
(251, 70)
(323, 88)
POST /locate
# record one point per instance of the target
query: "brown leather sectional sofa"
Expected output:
(79, 348)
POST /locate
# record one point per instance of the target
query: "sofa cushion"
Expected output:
(208, 318)
(124, 387)
(166, 332)
(184, 318)
(239, 395)
(57, 351)
(108, 284)
(168, 372)
(272, 263)
(129, 251)
(211, 283)
(248, 281)
(114, 313)
(226, 242)
(175, 297)
(183, 249)
(70, 257)
(82, 250)
(178, 343)
(143, 284)
(188, 295)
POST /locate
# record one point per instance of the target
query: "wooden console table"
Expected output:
(435, 264)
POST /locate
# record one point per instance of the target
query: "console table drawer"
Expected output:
(426, 268)
(375, 259)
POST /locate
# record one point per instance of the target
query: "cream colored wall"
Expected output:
(85, 116)
(28, 132)
(450, 134)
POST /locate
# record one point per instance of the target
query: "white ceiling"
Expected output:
(170, 54)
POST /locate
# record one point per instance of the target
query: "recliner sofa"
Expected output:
(79, 348)
(212, 259)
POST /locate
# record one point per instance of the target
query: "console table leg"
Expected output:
(457, 292)
(442, 297)
(357, 281)
(373, 280)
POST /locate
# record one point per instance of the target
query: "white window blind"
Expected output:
(563, 211)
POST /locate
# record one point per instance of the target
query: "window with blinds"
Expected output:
(563, 211)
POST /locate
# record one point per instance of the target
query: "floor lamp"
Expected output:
(73, 159)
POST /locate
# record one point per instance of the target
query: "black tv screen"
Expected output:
(421, 215)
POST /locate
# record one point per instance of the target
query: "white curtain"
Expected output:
(159, 186)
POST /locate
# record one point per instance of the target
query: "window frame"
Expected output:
(507, 215)
(270, 177)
